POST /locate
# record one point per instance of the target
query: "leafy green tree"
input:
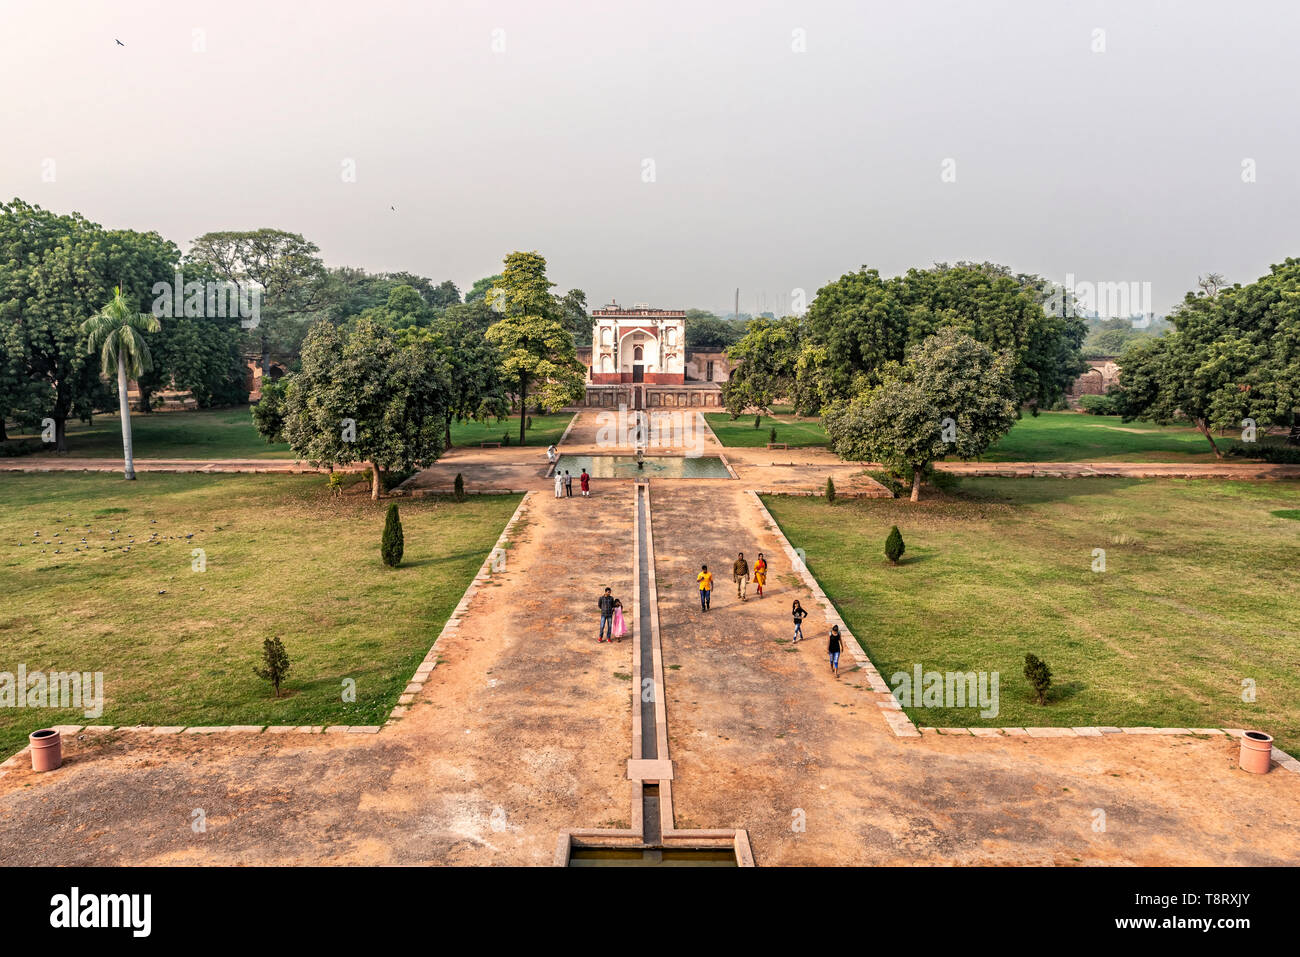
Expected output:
(360, 397)
(953, 396)
(116, 333)
(479, 291)
(54, 271)
(706, 332)
(1039, 677)
(1233, 354)
(766, 362)
(572, 307)
(537, 351)
(394, 542)
(284, 266)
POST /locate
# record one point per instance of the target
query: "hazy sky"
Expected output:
(772, 169)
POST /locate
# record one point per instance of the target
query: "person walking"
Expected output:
(799, 615)
(760, 573)
(585, 481)
(705, 580)
(620, 627)
(551, 452)
(834, 648)
(606, 605)
(568, 484)
(740, 571)
(559, 485)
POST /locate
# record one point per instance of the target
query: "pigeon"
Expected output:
(119, 42)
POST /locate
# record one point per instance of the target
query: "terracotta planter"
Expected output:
(1256, 752)
(46, 746)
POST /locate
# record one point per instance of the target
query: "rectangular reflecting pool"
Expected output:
(652, 466)
(652, 857)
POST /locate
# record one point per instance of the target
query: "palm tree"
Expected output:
(116, 334)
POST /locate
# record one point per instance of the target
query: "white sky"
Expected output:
(775, 170)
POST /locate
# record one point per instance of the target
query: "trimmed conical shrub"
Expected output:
(894, 546)
(458, 488)
(394, 542)
(1039, 677)
(830, 489)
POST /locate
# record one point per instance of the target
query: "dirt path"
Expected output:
(522, 730)
(763, 737)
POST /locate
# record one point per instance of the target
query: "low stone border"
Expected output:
(452, 625)
(903, 727)
(407, 697)
(890, 709)
(722, 449)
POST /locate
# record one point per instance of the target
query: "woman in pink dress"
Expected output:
(619, 628)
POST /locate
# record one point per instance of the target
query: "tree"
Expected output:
(860, 323)
(275, 664)
(765, 365)
(575, 317)
(537, 351)
(476, 388)
(394, 542)
(953, 396)
(287, 270)
(830, 490)
(1233, 354)
(54, 271)
(360, 397)
(115, 333)
(706, 332)
(479, 291)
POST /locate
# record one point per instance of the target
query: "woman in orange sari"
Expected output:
(760, 573)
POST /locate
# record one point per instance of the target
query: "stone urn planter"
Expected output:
(46, 746)
(1256, 752)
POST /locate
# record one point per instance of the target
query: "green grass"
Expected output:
(196, 434)
(546, 430)
(1076, 437)
(229, 434)
(1199, 594)
(283, 558)
(740, 433)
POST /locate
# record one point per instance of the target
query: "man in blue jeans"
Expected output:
(606, 605)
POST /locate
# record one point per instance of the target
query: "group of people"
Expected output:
(613, 627)
(564, 480)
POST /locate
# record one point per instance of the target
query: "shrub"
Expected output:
(894, 546)
(1273, 454)
(392, 478)
(459, 487)
(1039, 676)
(275, 664)
(505, 438)
(336, 484)
(529, 423)
(771, 435)
(830, 489)
(394, 542)
(1110, 404)
(758, 421)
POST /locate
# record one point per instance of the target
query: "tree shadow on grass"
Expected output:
(1066, 691)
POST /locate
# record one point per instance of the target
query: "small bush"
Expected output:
(392, 478)
(1273, 454)
(889, 481)
(1039, 676)
(529, 423)
(771, 435)
(336, 484)
(275, 664)
(894, 546)
(505, 438)
(830, 489)
(459, 487)
(1101, 404)
(758, 421)
(394, 541)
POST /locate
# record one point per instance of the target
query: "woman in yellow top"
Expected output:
(705, 579)
(760, 573)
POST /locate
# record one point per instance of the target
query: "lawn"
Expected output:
(178, 646)
(1198, 595)
(229, 434)
(740, 433)
(1076, 437)
(546, 430)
